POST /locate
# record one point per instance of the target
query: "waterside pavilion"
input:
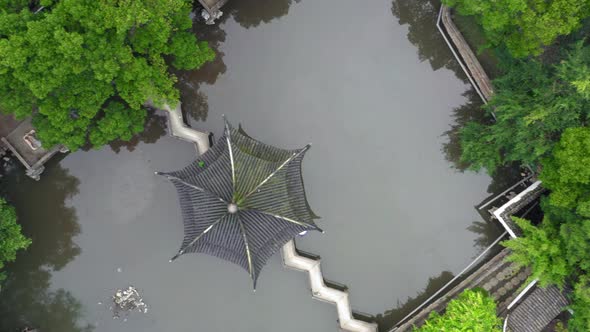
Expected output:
(12, 133)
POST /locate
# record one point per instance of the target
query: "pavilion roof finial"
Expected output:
(242, 200)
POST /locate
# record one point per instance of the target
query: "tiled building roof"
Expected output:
(537, 310)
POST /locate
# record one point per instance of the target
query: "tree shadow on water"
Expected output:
(421, 16)
(470, 111)
(389, 318)
(215, 36)
(248, 14)
(154, 129)
(26, 299)
(195, 104)
(252, 13)
(194, 101)
(487, 229)
(487, 232)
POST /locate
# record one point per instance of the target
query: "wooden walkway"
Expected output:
(291, 258)
(464, 55)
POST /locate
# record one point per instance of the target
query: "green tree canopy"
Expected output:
(557, 250)
(85, 68)
(580, 321)
(472, 310)
(11, 238)
(542, 249)
(534, 103)
(524, 26)
(567, 171)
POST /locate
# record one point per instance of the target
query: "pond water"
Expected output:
(376, 90)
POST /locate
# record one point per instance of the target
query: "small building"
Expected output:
(212, 9)
(19, 138)
(529, 310)
(535, 308)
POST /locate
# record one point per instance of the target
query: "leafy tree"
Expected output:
(542, 249)
(524, 26)
(67, 62)
(567, 172)
(557, 250)
(472, 310)
(11, 238)
(580, 320)
(118, 122)
(184, 46)
(534, 103)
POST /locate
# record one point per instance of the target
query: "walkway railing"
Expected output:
(504, 212)
(451, 282)
(466, 58)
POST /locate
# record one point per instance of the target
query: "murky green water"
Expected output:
(375, 89)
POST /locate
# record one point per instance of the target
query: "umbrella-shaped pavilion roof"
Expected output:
(242, 200)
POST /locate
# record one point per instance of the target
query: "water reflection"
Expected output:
(215, 36)
(194, 102)
(470, 111)
(505, 177)
(420, 16)
(41, 309)
(154, 128)
(26, 299)
(248, 14)
(487, 231)
(391, 317)
(251, 13)
(52, 242)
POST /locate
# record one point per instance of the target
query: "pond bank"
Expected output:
(501, 279)
(391, 205)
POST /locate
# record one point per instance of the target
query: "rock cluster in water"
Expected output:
(128, 300)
